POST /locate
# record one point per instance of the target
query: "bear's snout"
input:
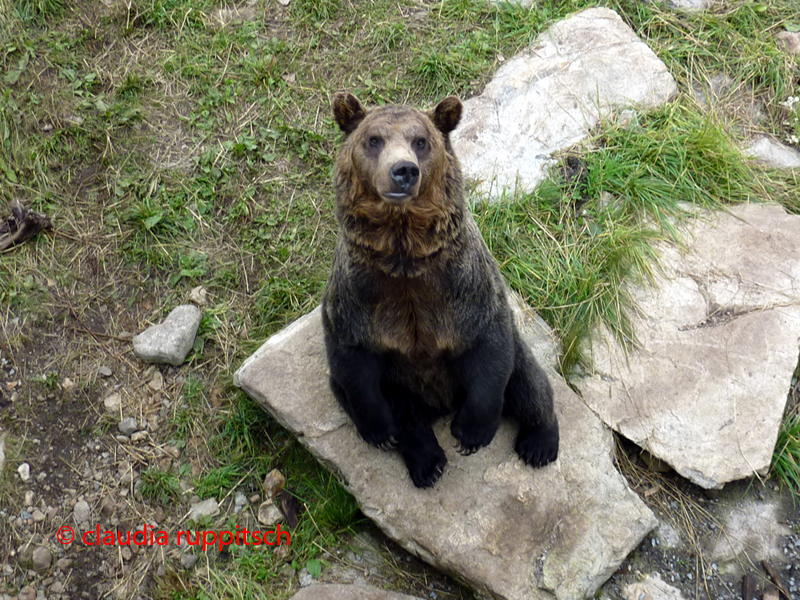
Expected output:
(405, 175)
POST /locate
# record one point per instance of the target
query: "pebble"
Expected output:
(104, 371)
(157, 382)
(42, 557)
(128, 426)
(57, 588)
(27, 593)
(38, 516)
(273, 483)
(113, 402)
(81, 512)
(30, 496)
(107, 506)
(305, 578)
(139, 436)
(63, 563)
(188, 560)
(206, 508)
(269, 514)
(24, 471)
(126, 552)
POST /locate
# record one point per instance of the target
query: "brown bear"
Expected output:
(415, 312)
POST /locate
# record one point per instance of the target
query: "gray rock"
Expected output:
(128, 426)
(81, 512)
(550, 96)
(113, 403)
(188, 560)
(790, 40)
(24, 471)
(752, 531)
(348, 592)
(107, 506)
(652, 588)
(509, 530)
(170, 341)
(305, 578)
(773, 154)
(206, 508)
(269, 514)
(42, 558)
(718, 335)
(104, 371)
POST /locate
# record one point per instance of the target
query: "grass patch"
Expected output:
(171, 152)
(571, 246)
(786, 460)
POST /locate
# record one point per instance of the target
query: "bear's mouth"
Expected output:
(396, 196)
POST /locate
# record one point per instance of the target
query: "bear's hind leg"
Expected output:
(529, 400)
(416, 442)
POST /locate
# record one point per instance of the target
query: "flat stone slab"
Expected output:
(719, 334)
(549, 97)
(348, 592)
(512, 532)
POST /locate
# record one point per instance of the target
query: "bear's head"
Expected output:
(395, 154)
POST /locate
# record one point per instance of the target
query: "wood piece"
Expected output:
(748, 587)
(21, 225)
(776, 578)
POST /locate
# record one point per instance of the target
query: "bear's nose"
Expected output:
(405, 174)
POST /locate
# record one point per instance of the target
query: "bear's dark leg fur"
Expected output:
(416, 442)
(529, 400)
(355, 380)
(483, 371)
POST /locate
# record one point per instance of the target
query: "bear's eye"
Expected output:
(420, 143)
(374, 141)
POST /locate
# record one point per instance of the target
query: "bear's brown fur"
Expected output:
(415, 312)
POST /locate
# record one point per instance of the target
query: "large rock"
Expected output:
(550, 96)
(509, 530)
(773, 154)
(718, 337)
(347, 592)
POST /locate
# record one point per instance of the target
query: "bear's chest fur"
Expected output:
(414, 317)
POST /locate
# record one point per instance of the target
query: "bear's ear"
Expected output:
(348, 112)
(447, 114)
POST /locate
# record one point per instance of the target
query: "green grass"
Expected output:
(786, 460)
(159, 486)
(192, 154)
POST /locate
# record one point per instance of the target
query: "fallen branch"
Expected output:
(21, 225)
(776, 578)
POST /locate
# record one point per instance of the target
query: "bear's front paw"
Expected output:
(537, 446)
(379, 430)
(472, 436)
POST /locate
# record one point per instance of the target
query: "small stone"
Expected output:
(128, 426)
(104, 371)
(173, 451)
(27, 593)
(188, 560)
(56, 588)
(107, 506)
(305, 578)
(8, 570)
(170, 341)
(273, 483)
(126, 553)
(240, 500)
(30, 496)
(42, 557)
(206, 508)
(113, 403)
(254, 498)
(24, 471)
(67, 385)
(139, 436)
(269, 514)
(199, 296)
(159, 517)
(157, 382)
(790, 40)
(63, 564)
(81, 512)
(38, 516)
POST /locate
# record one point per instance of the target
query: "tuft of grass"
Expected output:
(786, 458)
(159, 486)
(38, 10)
